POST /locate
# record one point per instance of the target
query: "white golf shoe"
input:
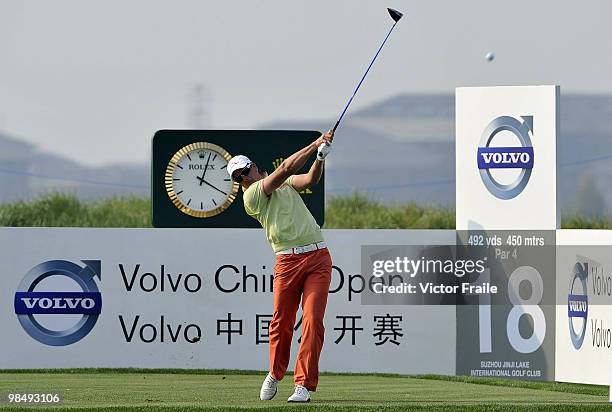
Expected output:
(300, 394)
(268, 388)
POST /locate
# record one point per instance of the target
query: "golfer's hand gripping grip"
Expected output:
(335, 126)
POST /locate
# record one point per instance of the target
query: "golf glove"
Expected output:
(323, 151)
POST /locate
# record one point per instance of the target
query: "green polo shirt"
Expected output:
(283, 214)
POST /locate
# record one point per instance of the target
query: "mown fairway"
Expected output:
(224, 391)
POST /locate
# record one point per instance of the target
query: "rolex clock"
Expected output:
(197, 181)
(190, 186)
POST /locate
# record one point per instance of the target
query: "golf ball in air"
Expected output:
(490, 56)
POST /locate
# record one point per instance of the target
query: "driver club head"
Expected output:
(395, 15)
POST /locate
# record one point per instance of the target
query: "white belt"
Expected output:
(302, 249)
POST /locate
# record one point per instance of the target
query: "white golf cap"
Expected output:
(237, 163)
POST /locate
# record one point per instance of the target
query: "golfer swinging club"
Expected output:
(303, 263)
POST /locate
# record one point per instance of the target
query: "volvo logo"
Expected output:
(577, 303)
(87, 302)
(514, 157)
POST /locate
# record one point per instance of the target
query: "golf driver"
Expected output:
(396, 16)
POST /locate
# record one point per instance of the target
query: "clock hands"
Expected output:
(201, 179)
(217, 189)
(205, 169)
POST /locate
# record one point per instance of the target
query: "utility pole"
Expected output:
(198, 101)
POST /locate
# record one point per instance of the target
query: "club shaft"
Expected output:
(363, 78)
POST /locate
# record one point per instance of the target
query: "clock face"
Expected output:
(197, 181)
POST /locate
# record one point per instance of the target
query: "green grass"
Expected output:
(574, 222)
(230, 390)
(355, 211)
(580, 388)
(67, 210)
(359, 212)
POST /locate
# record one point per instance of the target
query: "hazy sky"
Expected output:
(94, 80)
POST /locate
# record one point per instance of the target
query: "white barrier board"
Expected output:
(160, 288)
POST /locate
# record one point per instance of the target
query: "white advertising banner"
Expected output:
(584, 307)
(189, 298)
(506, 157)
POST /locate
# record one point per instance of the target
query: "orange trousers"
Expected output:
(307, 277)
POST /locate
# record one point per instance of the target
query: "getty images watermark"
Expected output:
(428, 266)
(481, 267)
